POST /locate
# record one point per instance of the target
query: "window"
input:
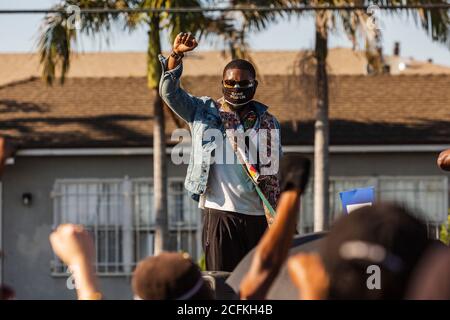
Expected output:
(97, 205)
(119, 215)
(144, 220)
(426, 196)
(184, 218)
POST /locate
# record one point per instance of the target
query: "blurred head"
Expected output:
(6, 293)
(431, 278)
(169, 276)
(443, 160)
(239, 82)
(386, 236)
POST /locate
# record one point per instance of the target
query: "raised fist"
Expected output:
(294, 172)
(72, 244)
(184, 42)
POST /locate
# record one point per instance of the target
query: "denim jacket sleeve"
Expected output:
(182, 103)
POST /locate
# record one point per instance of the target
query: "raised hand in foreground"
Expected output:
(273, 248)
(309, 276)
(75, 247)
(6, 151)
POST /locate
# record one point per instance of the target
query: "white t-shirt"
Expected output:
(230, 189)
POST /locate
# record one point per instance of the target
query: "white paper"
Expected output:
(353, 207)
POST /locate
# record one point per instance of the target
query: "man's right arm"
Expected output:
(181, 102)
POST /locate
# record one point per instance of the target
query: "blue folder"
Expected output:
(357, 198)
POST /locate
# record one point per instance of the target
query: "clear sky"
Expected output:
(18, 34)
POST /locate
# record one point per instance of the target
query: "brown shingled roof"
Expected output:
(341, 61)
(117, 112)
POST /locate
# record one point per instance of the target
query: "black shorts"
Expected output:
(228, 236)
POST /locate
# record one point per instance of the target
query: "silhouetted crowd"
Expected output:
(376, 252)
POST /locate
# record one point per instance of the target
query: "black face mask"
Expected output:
(237, 97)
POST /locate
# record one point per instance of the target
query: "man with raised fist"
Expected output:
(238, 198)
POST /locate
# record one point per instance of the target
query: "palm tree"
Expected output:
(357, 27)
(55, 46)
(244, 22)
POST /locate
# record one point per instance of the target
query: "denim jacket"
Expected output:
(201, 114)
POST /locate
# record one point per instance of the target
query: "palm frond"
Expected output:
(436, 23)
(259, 20)
(198, 23)
(54, 47)
(237, 24)
(57, 35)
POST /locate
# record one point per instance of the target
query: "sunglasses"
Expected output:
(239, 84)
